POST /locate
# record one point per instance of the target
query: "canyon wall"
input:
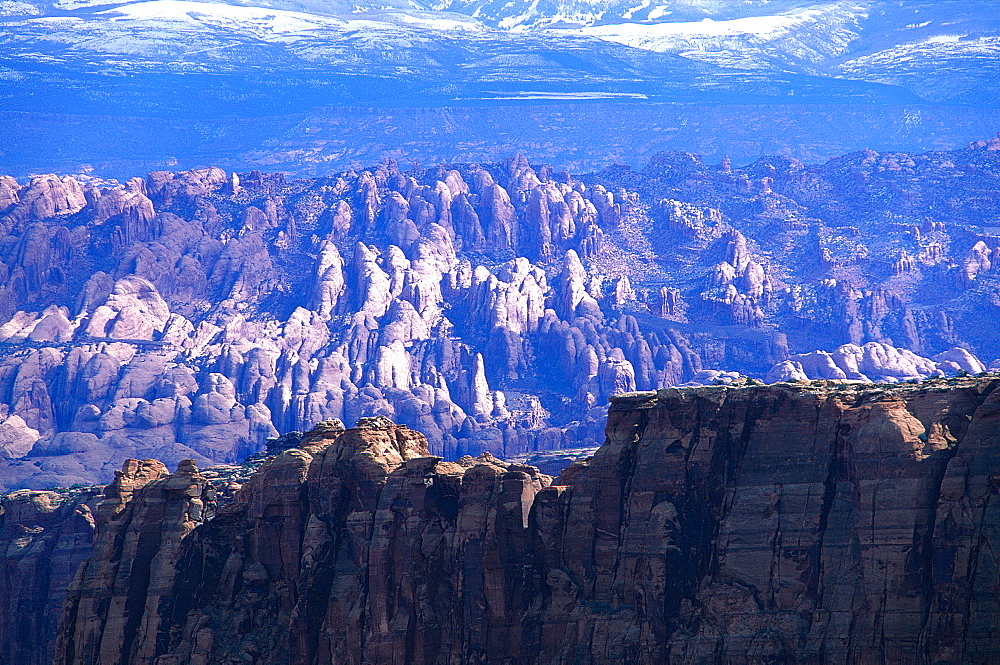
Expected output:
(493, 307)
(796, 523)
(44, 537)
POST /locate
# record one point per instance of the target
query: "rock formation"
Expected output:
(495, 307)
(873, 362)
(794, 523)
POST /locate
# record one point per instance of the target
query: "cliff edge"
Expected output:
(793, 523)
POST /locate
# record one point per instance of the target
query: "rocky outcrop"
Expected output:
(45, 537)
(553, 462)
(144, 518)
(873, 362)
(796, 523)
(45, 196)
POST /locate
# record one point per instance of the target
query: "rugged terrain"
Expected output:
(493, 307)
(793, 523)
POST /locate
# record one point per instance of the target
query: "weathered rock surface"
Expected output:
(794, 523)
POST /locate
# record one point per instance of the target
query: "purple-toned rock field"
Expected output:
(493, 307)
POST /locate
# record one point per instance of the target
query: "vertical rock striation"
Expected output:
(795, 523)
(44, 537)
(144, 518)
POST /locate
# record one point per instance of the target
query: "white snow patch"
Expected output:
(944, 39)
(657, 13)
(632, 10)
(10, 8)
(761, 26)
(219, 15)
(71, 5)
(813, 34)
(439, 23)
(189, 17)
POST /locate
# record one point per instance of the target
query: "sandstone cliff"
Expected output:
(794, 523)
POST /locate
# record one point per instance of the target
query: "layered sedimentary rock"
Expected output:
(494, 307)
(795, 523)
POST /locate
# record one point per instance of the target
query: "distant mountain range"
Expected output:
(180, 59)
(934, 51)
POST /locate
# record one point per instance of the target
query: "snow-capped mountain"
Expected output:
(186, 35)
(937, 50)
(795, 40)
(945, 50)
(535, 14)
(426, 51)
(273, 58)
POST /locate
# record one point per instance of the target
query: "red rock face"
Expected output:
(793, 524)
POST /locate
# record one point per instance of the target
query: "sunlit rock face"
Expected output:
(874, 362)
(494, 307)
(747, 523)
